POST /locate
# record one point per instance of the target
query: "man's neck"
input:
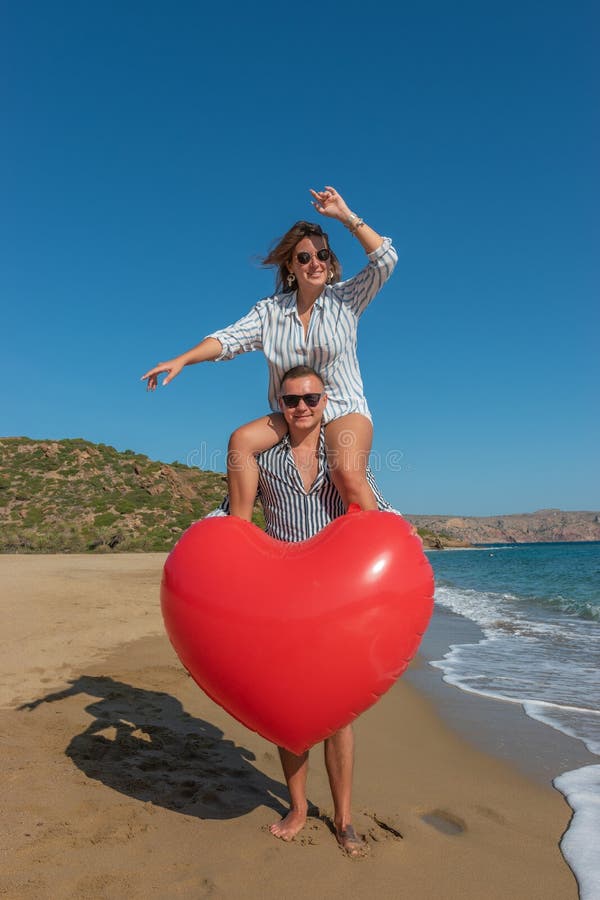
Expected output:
(305, 440)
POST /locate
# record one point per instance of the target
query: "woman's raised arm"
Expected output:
(331, 204)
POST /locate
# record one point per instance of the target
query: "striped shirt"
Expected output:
(291, 512)
(274, 327)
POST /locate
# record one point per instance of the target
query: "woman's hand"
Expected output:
(209, 348)
(172, 367)
(329, 203)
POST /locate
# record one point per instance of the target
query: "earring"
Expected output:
(330, 277)
(291, 279)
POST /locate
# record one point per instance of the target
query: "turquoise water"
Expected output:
(565, 577)
(538, 606)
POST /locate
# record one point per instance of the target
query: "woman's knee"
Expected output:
(241, 440)
(258, 435)
(240, 450)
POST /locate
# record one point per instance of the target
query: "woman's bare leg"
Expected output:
(348, 441)
(295, 769)
(242, 471)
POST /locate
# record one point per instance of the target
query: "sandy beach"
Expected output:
(121, 779)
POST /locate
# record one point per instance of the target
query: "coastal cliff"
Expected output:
(544, 525)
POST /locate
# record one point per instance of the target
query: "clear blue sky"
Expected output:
(151, 151)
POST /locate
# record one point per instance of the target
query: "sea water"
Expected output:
(538, 606)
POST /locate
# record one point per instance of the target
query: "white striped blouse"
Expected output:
(291, 512)
(274, 327)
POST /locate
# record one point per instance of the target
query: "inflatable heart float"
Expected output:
(295, 640)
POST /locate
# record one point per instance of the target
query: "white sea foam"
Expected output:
(574, 721)
(579, 845)
(484, 548)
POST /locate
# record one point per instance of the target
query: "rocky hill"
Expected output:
(543, 525)
(74, 496)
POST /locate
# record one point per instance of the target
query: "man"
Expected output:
(299, 499)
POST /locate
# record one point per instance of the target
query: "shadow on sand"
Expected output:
(142, 743)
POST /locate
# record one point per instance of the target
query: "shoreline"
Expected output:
(502, 545)
(124, 779)
(501, 728)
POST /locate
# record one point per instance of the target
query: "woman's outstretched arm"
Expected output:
(208, 349)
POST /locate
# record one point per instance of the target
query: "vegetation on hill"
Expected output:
(75, 496)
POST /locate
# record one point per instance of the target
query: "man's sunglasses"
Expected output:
(291, 401)
(304, 257)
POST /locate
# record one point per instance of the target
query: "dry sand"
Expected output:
(121, 779)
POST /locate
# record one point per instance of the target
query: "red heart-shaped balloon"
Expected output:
(295, 640)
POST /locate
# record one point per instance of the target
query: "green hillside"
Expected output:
(75, 496)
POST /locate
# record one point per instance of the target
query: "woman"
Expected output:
(311, 320)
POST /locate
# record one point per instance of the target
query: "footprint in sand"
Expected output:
(491, 814)
(444, 821)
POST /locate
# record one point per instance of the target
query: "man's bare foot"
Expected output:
(350, 842)
(288, 827)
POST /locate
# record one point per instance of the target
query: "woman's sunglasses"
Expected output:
(304, 257)
(291, 401)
